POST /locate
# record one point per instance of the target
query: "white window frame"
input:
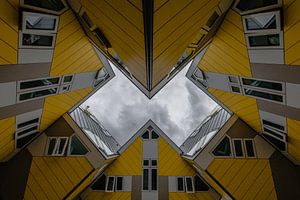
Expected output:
(278, 132)
(63, 77)
(278, 22)
(263, 89)
(116, 184)
(21, 46)
(183, 182)
(149, 168)
(35, 31)
(266, 91)
(41, 97)
(22, 4)
(192, 181)
(281, 44)
(238, 86)
(106, 185)
(57, 143)
(243, 148)
(253, 145)
(285, 142)
(62, 90)
(40, 87)
(256, 10)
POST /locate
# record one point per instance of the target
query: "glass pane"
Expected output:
(238, 148)
(36, 94)
(68, 79)
(279, 144)
(77, 148)
(145, 162)
(52, 143)
(277, 135)
(223, 149)
(200, 185)
(110, 184)
(189, 184)
(262, 84)
(180, 185)
(154, 163)
(33, 121)
(21, 142)
(245, 5)
(154, 135)
(249, 148)
(264, 95)
(120, 183)
(266, 122)
(146, 135)
(27, 130)
(235, 89)
(37, 40)
(154, 179)
(100, 183)
(39, 83)
(233, 79)
(40, 23)
(62, 142)
(261, 22)
(264, 40)
(145, 179)
(55, 5)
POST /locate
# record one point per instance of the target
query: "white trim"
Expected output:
(261, 9)
(193, 187)
(63, 77)
(106, 186)
(265, 99)
(22, 4)
(280, 46)
(56, 146)
(253, 145)
(242, 145)
(21, 46)
(238, 86)
(39, 87)
(261, 88)
(35, 31)
(278, 22)
(40, 97)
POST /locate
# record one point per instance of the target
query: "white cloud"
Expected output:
(177, 109)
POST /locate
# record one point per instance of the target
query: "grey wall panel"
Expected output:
(8, 93)
(163, 187)
(136, 193)
(218, 81)
(35, 56)
(83, 80)
(293, 94)
(150, 149)
(267, 56)
(127, 183)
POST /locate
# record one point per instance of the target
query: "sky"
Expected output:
(178, 108)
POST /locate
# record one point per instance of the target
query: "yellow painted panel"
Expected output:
(294, 138)
(129, 163)
(56, 106)
(53, 177)
(7, 142)
(170, 163)
(227, 52)
(14, 3)
(243, 106)
(190, 196)
(73, 50)
(245, 178)
(108, 196)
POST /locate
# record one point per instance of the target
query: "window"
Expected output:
(150, 175)
(28, 130)
(235, 89)
(154, 135)
(57, 146)
(238, 148)
(38, 83)
(64, 88)
(224, 148)
(37, 94)
(119, 183)
(22, 141)
(200, 185)
(264, 95)
(110, 184)
(180, 184)
(272, 40)
(281, 145)
(76, 147)
(99, 184)
(274, 125)
(53, 6)
(67, 79)
(39, 22)
(276, 86)
(189, 185)
(29, 40)
(233, 79)
(249, 148)
(246, 6)
(261, 22)
(146, 135)
(28, 123)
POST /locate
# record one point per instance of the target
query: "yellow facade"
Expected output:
(227, 53)
(7, 133)
(293, 127)
(56, 106)
(55, 177)
(8, 32)
(244, 178)
(186, 196)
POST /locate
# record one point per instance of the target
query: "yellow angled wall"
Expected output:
(227, 53)
(8, 33)
(243, 106)
(189, 196)
(73, 51)
(108, 196)
(244, 178)
(54, 177)
(7, 134)
(56, 106)
(293, 138)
